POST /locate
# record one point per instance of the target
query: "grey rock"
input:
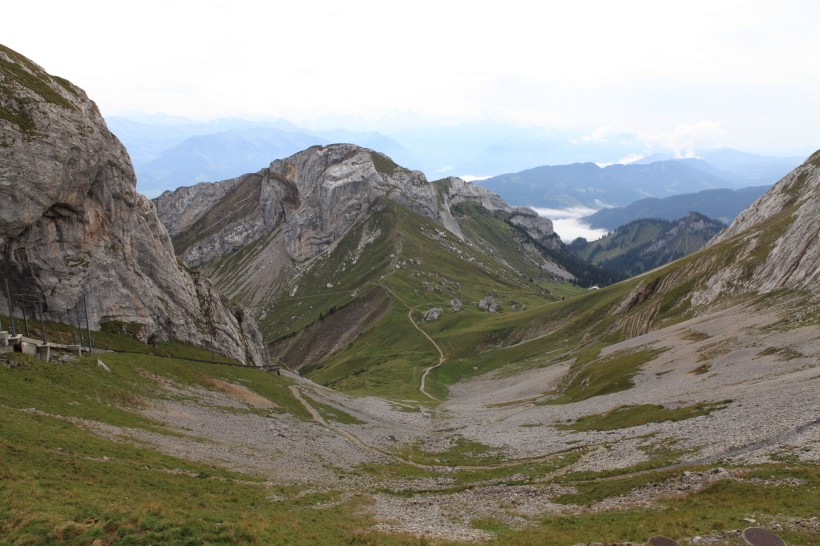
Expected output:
(72, 223)
(790, 252)
(455, 305)
(432, 314)
(490, 304)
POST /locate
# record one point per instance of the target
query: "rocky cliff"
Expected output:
(72, 223)
(455, 191)
(777, 239)
(314, 198)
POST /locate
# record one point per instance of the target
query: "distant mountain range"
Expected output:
(169, 152)
(739, 168)
(721, 204)
(591, 186)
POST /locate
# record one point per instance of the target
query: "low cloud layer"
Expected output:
(568, 224)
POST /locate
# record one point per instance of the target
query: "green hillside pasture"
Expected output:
(478, 223)
(723, 506)
(114, 336)
(63, 484)
(452, 268)
(605, 375)
(538, 336)
(84, 390)
(387, 361)
(641, 414)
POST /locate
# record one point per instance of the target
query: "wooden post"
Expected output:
(88, 327)
(11, 308)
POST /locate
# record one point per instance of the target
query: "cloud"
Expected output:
(626, 160)
(568, 223)
(599, 134)
(473, 178)
(685, 139)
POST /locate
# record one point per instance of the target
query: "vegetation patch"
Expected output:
(695, 335)
(715, 350)
(26, 74)
(600, 376)
(462, 452)
(724, 505)
(460, 479)
(784, 353)
(331, 413)
(633, 416)
(383, 164)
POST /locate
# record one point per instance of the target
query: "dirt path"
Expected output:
(441, 358)
(295, 390)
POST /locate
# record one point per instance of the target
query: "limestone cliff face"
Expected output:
(457, 191)
(775, 241)
(256, 234)
(314, 198)
(71, 222)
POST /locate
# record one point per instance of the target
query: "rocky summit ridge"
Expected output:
(72, 223)
(315, 197)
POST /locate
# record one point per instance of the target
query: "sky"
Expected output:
(682, 75)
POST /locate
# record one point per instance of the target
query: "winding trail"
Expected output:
(441, 357)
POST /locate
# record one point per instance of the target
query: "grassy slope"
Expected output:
(64, 484)
(622, 250)
(67, 485)
(428, 270)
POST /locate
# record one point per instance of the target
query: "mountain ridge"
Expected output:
(721, 204)
(646, 243)
(335, 220)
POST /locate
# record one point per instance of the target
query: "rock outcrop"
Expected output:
(456, 191)
(314, 196)
(774, 244)
(432, 314)
(490, 304)
(72, 223)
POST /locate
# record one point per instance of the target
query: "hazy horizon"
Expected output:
(680, 78)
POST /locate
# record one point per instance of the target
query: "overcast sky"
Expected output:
(695, 73)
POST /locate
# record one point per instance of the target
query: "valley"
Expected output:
(335, 350)
(511, 456)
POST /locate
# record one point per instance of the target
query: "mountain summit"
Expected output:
(327, 230)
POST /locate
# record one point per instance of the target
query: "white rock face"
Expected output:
(316, 197)
(72, 223)
(777, 239)
(432, 314)
(460, 191)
